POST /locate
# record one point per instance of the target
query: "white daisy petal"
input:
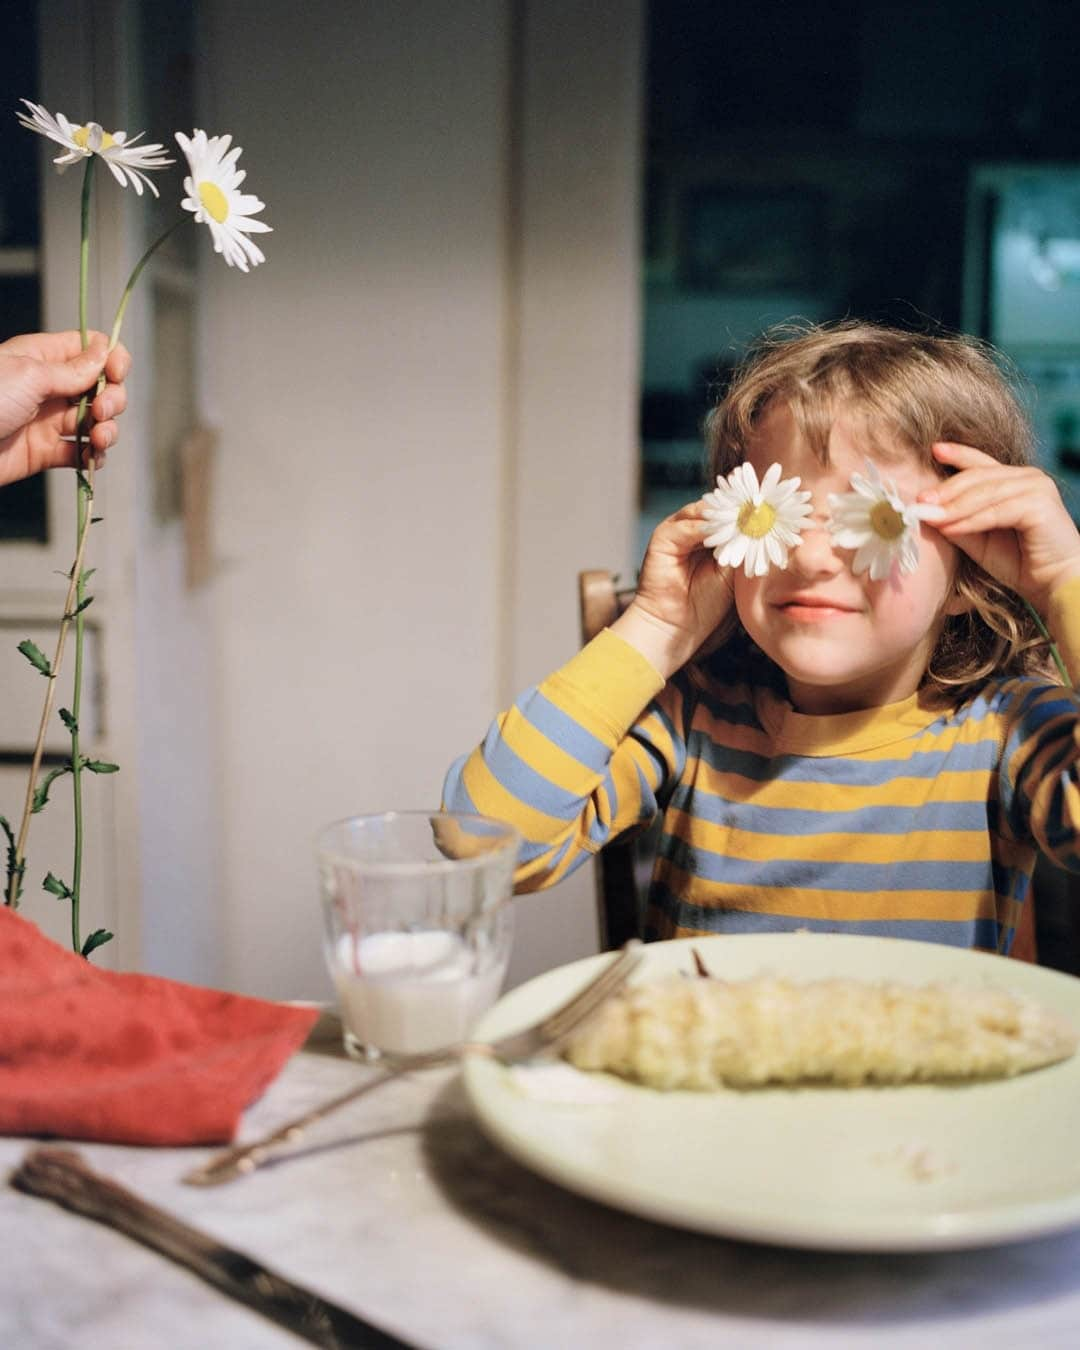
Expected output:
(909, 554)
(772, 477)
(875, 520)
(720, 537)
(126, 160)
(757, 560)
(118, 173)
(866, 559)
(734, 551)
(776, 551)
(754, 524)
(213, 198)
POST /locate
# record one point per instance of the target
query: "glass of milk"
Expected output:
(418, 925)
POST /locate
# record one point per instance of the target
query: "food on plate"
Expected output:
(683, 1032)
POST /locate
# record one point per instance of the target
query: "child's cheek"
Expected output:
(747, 590)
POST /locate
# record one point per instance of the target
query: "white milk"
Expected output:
(407, 993)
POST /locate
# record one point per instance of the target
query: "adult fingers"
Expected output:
(102, 436)
(110, 403)
(60, 346)
(74, 377)
(118, 365)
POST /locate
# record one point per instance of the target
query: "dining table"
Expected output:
(402, 1211)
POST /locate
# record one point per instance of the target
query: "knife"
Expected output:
(63, 1175)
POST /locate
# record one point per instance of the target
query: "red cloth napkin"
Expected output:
(128, 1059)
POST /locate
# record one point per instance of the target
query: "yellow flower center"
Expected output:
(81, 137)
(757, 521)
(886, 522)
(214, 201)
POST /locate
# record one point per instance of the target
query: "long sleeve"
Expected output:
(1040, 779)
(579, 759)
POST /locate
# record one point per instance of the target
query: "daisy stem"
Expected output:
(72, 601)
(114, 336)
(84, 245)
(84, 487)
(76, 595)
(1065, 680)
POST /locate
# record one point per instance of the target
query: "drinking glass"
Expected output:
(418, 925)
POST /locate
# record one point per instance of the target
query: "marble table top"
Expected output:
(401, 1211)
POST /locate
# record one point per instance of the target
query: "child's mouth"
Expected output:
(813, 609)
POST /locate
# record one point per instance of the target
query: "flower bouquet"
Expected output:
(212, 198)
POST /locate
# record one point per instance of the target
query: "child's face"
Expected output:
(845, 642)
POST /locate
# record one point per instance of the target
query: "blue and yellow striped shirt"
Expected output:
(903, 821)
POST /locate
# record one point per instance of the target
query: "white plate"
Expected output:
(875, 1169)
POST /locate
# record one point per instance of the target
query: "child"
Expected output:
(840, 703)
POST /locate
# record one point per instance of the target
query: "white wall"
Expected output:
(426, 403)
(576, 342)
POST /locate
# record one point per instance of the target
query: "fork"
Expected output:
(543, 1037)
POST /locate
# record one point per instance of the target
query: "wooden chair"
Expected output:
(1055, 920)
(622, 866)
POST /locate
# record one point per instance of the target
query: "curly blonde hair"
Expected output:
(911, 389)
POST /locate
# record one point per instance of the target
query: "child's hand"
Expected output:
(1009, 519)
(682, 595)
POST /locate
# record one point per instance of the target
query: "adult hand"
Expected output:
(42, 376)
(1009, 519)
(682, 596)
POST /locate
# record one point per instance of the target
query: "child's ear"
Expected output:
(959, 600)
(958, 604)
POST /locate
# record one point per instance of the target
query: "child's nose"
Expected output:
(815, 554)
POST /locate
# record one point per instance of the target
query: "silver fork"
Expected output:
(543, 1037)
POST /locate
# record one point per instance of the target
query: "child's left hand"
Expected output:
(1009, 519)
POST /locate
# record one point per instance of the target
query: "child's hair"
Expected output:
(912, 389)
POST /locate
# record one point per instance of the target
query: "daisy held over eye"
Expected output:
(834, 681)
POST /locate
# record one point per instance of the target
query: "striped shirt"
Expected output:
(903, 821)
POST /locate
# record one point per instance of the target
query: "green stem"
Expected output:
(77, 582)
(1065, 680)
(84, 497)
(114, 336)
(84, 245)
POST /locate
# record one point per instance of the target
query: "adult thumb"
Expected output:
(77, 375)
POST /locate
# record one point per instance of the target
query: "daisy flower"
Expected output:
(213, 195)
(875, 520)
(127, 161)
(755, 525)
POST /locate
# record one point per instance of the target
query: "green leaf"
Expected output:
(88, 572)
(14, 869)
(35, 656)
(68, 720)
(56, 887)
(97, 938)
(41, 796)
(100, 766)
(81, 606)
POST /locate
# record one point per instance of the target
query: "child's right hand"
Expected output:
(682, 596)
